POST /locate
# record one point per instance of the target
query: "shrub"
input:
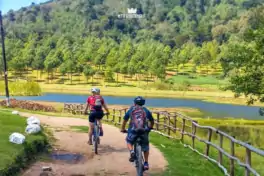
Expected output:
(159, 85)
(22, 88)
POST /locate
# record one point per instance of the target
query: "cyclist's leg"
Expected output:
(145, 148)
(130, 139)
(91, 126)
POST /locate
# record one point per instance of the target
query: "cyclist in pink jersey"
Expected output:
(96, 104)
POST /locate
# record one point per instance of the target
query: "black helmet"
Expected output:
(139, 101)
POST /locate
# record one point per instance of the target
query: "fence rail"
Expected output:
(175, 125)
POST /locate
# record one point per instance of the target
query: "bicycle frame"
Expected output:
(96, 137)
(139, 161)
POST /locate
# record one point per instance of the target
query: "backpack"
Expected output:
(98, 103)
(138, 118)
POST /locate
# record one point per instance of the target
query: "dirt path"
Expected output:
(113, 155)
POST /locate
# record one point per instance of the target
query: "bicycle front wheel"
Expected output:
(96, 136)
(139, 160)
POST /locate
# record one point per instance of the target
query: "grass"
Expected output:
(21, 88)
(198, 80)
(13, 156)
(183, 161)
(81, 129)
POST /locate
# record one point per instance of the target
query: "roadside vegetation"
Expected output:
(244, 130)
(15, 157)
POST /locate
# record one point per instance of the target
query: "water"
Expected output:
(66, 157)
(215, 110)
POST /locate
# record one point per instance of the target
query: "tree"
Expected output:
(63, 70)
(38, 61)
(245, 66)
(51, 63)
(88, 72)
(71, 66)
(186, 52)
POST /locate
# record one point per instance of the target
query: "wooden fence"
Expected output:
(177, 126)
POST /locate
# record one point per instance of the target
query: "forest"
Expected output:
(87, 37)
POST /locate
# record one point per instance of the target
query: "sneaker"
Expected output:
(132, 156)
(146, 166)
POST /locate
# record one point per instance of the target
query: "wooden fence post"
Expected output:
(107, 118)
(183, 129)
(193, 133)
(169, 127)
(175, 123)
(158, 120)
(248, 160)
(164, 124)
(119, 117)
(232, 164)
(209, 140)
(220, 154)
(113, 119)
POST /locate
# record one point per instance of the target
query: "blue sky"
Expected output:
(6, 5)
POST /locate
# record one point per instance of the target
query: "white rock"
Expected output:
(15, 112)
(33, 120)
(17, 138)
(32, 129)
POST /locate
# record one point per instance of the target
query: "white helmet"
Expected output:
(97, 90)
(94, 90)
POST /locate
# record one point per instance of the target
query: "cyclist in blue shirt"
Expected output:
(139, 117)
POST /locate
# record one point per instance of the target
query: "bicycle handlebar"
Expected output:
(148, 130)
(87, 113)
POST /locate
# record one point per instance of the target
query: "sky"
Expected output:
(6, 5)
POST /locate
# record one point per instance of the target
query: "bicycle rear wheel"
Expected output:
(139, 160)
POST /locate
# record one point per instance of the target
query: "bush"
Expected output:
(109, 76)
(184, 86)
(22, 88)
(161, 85)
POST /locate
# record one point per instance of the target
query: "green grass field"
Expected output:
(199, 80)
(13, 156)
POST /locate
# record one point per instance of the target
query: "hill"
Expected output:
(88, 37)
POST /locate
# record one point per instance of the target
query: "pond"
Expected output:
(215, 110)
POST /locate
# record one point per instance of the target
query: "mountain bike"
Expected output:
(96, 135)
(139, 160)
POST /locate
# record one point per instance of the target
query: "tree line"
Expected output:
(87, 37)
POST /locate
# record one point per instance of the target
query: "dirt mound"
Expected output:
(28, 105)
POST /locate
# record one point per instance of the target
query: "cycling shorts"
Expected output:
(95, 115)
(131, 138)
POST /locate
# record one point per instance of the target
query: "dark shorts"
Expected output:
(131, 138)
(95, 115)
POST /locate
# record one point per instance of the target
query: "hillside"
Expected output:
(88, 37)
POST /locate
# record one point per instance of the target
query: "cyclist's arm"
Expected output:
(104, 106)
(87, 106)
(150, 118)
(125, 120)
